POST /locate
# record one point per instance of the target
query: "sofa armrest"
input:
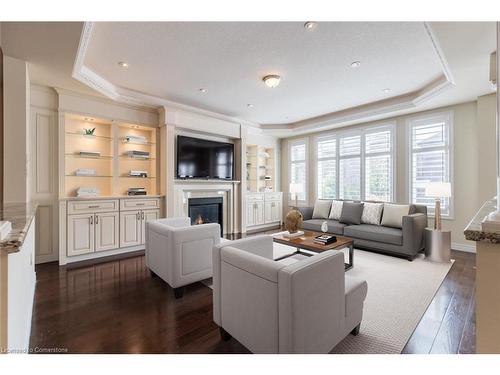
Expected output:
(311, 297)
(413, 232)
(174, 222)
(197, 232)
(307, 212)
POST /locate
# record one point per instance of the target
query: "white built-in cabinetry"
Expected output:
(100, 226)
(263, 209)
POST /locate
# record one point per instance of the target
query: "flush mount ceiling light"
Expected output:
(386, 90)
(250, 105)
(355, 64)
(203, 91)
(310, 25)
(272, 80)
(123, 64)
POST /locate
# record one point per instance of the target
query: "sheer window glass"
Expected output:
(298, 168)
(327, 168)
(378, 166)
(430, 144)
(350, 167)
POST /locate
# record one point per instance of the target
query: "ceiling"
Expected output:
(174, 60)
(171, 61)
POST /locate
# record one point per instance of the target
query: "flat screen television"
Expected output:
(201, 158)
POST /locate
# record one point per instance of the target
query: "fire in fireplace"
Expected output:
(205, 210)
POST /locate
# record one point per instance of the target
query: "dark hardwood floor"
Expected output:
(117, 307)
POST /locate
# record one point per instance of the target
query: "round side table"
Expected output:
(437, 245)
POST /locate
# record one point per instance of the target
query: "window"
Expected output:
(327, 168)
(298, 168)
(430, 144)
(378, 165)
(356, 165)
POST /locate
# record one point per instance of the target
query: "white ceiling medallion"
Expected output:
(310, 25)
(272, 80)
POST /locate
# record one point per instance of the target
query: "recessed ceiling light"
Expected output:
(203, 90)
(250, 105)
(123, 64)
(310, 25)
(386, 90)
(89, 119)
(355, 64)
(272, 80)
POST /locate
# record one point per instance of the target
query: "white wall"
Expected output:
(473, 162)
(16, 120)
(21, 291)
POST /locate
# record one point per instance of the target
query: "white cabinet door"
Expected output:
(80, 234)
(251, 207)
(106, 231)
(276, 211)
(147, 215)
(268, 212)
(259, 213)
(130, 228)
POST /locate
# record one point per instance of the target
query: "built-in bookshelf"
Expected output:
(260, 163)
(108, 156)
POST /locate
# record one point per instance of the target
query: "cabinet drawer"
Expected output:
(255, 197)
(134, 204)
(83, 207)
(273, 196)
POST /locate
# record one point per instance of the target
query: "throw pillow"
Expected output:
(393, 214)
(372, 213)
(336, 210)
(351, 213)
(321, 209)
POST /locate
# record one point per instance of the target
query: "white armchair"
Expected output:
(179, 253)
(270, 307)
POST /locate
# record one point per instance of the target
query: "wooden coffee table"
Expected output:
(306, 242)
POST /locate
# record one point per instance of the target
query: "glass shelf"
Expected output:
(96, 176)
(136, 159)
(78, 156)
(89, 136)
(124, 141)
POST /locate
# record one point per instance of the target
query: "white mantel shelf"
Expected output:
(203, 181)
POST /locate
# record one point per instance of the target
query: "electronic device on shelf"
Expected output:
(135, 139)
(85, 172)
(87, 192)
(136, 191)
(136, 154)
(92, 154)
(325, 239)
(134, 173)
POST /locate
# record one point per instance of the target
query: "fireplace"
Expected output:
(205, 210)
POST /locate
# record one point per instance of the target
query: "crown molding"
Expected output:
(351, 115)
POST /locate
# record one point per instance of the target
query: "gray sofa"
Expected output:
(406, 242)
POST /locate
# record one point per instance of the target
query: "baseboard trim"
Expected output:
(463, 247)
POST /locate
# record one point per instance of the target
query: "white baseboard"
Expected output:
(463, 247)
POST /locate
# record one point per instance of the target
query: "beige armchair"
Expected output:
(305, 307)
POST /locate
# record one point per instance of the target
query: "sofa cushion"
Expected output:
(372, 213)
(315, 225)
(393, 214)
(375, 233)
(321, 209)
(336, 210)
(351, 213)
